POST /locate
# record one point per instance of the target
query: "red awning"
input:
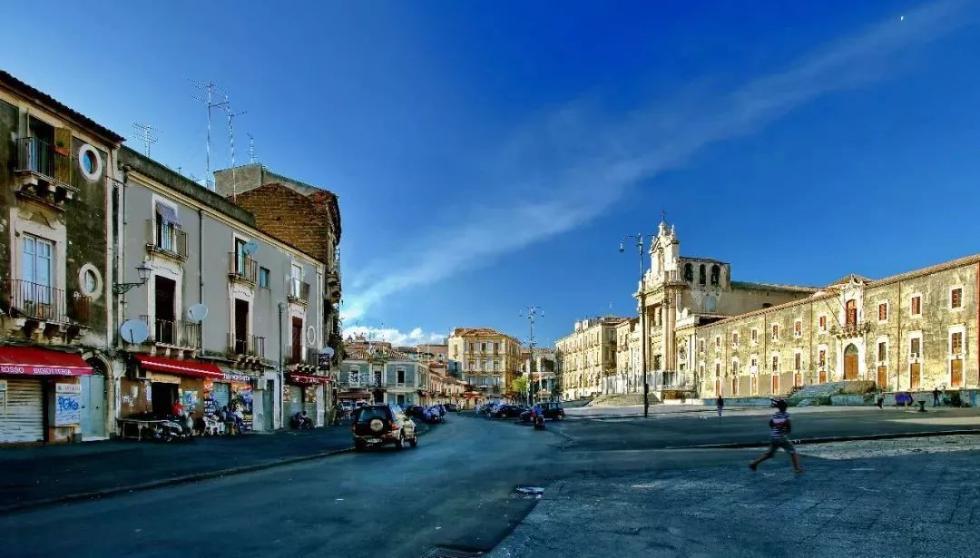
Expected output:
(192, 368)
(306, 379)
(33, 361)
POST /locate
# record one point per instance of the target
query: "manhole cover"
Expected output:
(451, 552)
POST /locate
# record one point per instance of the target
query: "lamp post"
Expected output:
(638, 238)
(143, 270)
(531, 313)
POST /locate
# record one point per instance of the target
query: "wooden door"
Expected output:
(915, 375)
(851, 363)
(882, 377)
(822, 377)
(956, 373)
(850, 367)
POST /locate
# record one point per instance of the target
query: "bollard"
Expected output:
(922, 406)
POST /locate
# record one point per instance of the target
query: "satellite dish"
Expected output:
(327, 351)
(197, 313)
(250, 248)
(134, 331)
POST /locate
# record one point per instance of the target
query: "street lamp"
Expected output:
(531, 313)
(143, 270)
(638, 238)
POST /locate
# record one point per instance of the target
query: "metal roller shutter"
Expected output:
(22, 411)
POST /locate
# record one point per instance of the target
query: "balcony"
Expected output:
(44, 172)
(166, 239)
(249, 345)
(242, 268)
(37, 302)
(851, 328)
(296, 356)
(176, 333)
(299, 292)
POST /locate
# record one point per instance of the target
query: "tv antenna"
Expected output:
(231, 143)
(251, 148)
(209, 89)
(146, 134)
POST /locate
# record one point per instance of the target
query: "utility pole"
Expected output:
(643, 321)
(531, 313)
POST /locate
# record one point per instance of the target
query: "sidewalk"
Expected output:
(44, 474)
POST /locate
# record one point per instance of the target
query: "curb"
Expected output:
(185, 479)
(830, 439)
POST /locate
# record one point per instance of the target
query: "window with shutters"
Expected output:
(882, 351)
(755, 335)
(775, 364)
(797, 362)
(701, 345)
(735, 339)
(956, 342)
(775, 332)
(797, 328)
(717, 369)
(822, 321)
(916, 305)
(717, 341)
(956, 298)
(851, 313)
(882, 311)
(822, 358)
(915, 347)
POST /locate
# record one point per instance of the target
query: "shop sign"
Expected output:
(235, 377)
(68, 404)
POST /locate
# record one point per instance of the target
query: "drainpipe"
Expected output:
(282, 410)
(898, 368)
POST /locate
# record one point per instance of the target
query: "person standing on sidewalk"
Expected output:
(720, 403)
(935, 397)
(779, 429)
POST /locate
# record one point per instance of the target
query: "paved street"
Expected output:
(456, 490)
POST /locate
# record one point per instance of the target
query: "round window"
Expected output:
(90, 281)
(90, 162)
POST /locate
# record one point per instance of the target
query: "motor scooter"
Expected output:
(538, 421)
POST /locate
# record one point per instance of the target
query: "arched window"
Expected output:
(715, 274)
(701, 279)
(689, 273)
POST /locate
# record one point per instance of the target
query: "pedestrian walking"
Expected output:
(779, 429)
(720, 403)
(935, 397)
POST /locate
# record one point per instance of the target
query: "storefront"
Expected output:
(40, 395)
(155, 383)
(306, 392)
(234, 391)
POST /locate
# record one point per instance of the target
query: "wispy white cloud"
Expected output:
(395, 336)
(576, 163)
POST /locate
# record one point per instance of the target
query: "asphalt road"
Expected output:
(456, 488)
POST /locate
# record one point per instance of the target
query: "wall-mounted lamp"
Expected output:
(144, 272)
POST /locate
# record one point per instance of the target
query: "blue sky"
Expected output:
(491, 155)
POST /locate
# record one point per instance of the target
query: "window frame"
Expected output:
(952, 290)
(915, 305)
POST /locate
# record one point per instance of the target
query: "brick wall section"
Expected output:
(302, 221)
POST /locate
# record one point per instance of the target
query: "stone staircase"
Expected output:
(621, 400)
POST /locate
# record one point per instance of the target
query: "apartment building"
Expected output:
(587, 356)
(489, 359)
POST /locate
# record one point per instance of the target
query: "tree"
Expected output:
(519, 385)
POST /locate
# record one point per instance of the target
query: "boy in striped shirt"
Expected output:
(779, 429)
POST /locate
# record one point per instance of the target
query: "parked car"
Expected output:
(377, 425)
(415, 411)
(347, 405)
(552, 410)
(432, 415)
(508, 411)
(451, 407)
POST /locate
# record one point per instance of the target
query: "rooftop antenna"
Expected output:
(208, 100)
(231, 143)
(145, 133)
(251, 149)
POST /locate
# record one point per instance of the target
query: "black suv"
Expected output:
(376, 425)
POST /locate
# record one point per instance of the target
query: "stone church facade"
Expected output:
(710, 335)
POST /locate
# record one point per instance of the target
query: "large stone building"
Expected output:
(587, 357)
(490, 360)
(710, 335)
(374, 371)
(628, 377)
(679, 294)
